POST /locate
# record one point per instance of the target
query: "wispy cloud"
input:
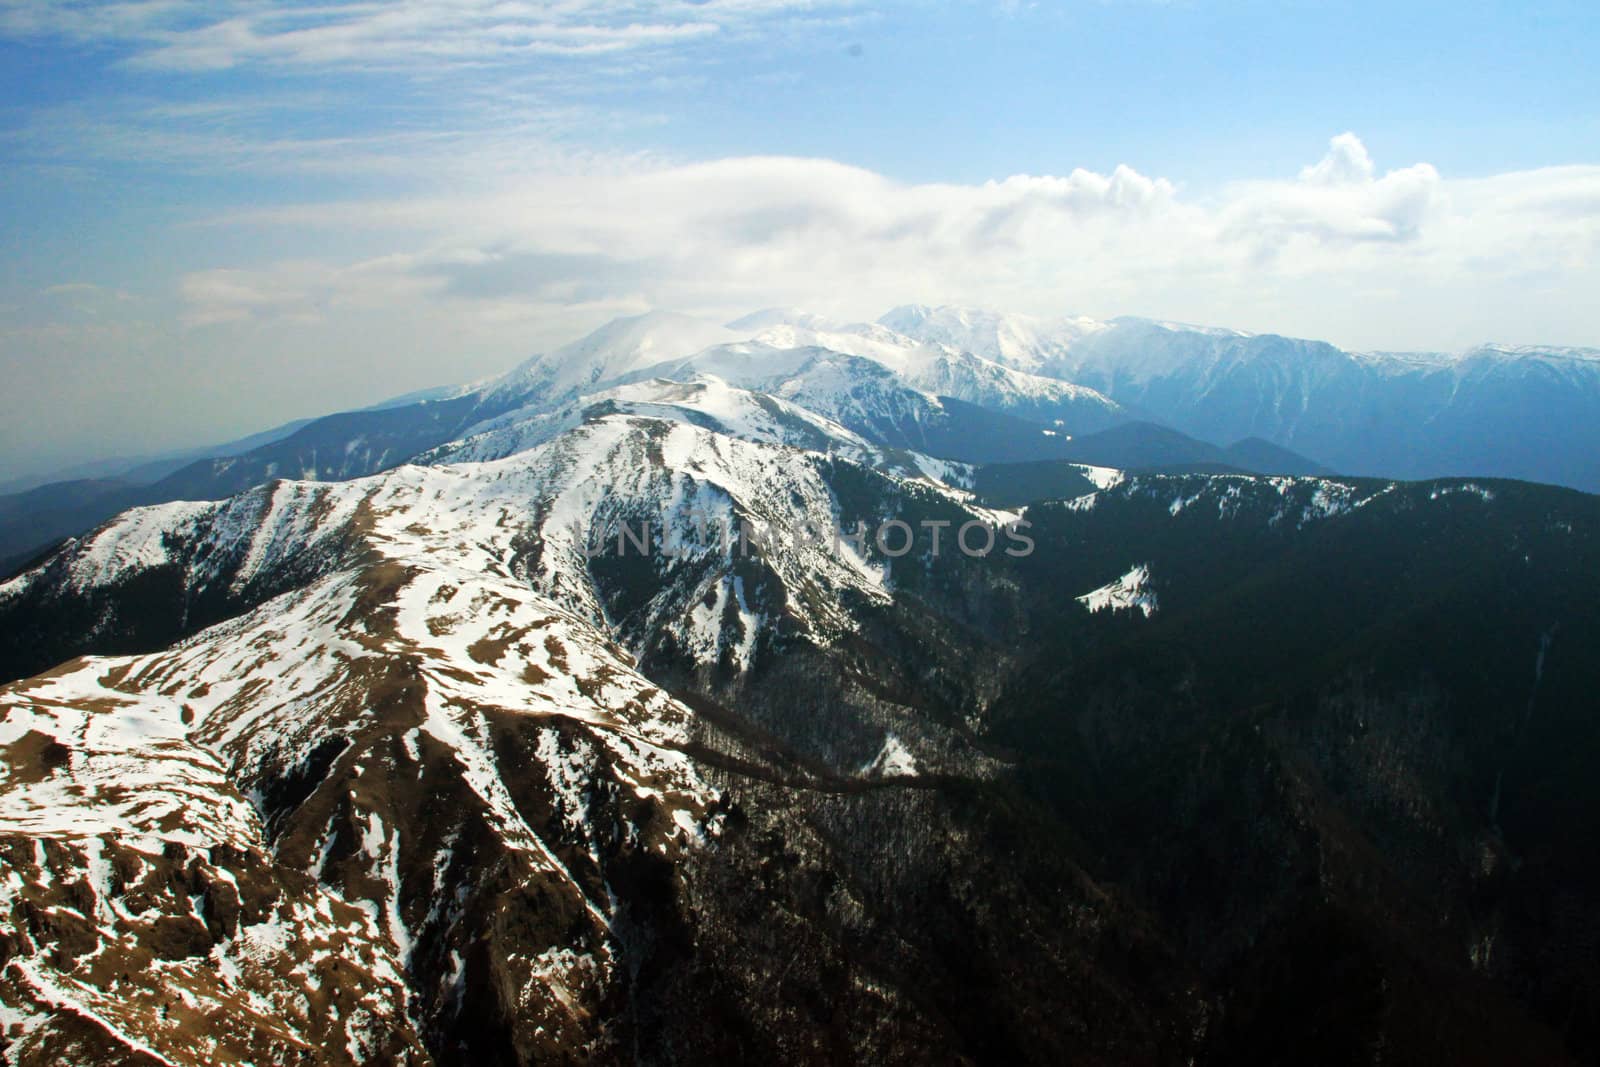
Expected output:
(199, 35)
(355, 89)
(259, 138)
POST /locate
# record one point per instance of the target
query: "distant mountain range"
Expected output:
(966, 385)
(1494, 411)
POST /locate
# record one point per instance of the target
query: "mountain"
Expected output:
(413, 691)
(346, 445)
(946, 370)
(1494, 411)
(35, 512)
(610, 352)
(806, 692)
(699, 400)
(354, 444)
(1263, 457)
(142, 470)
(872, 401)
(1353, 731)
(1147, 446)
(1136, 446)
(1132, 447)
(333, 870)
(1020, 342)
(351, 444)
(767, 318)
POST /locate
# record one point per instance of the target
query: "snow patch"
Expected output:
(1132, 592)
(894, 760)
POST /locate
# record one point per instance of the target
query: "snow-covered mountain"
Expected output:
(951, 371)
(562, 496)
(302, 823)
(1517, 412)
(698, 400)
(428, 717)
(607, 354)
(1021, 342)
(355, 444)
(873, 402)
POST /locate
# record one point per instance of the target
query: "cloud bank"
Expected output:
(1296, 255)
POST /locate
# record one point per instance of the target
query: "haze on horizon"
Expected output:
(222, 216)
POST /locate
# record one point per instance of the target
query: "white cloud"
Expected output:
(1339, 198)
(733, 233)
(1347, 163)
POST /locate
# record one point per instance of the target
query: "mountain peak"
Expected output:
(1172, 326)
(1021, 342)
(914, 315)
(782, 316)
(1513, 352)
(620, 346)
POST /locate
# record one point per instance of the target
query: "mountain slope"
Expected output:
(1120, 797)
(704, 401)
(146, 920)
(1354, 735)
(1145, 446)
(612, 351)
(354, 444)
(368, 716)
(433, 723)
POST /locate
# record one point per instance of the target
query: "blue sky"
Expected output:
(218, 216)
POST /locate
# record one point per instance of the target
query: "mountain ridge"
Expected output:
(1407, 415)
